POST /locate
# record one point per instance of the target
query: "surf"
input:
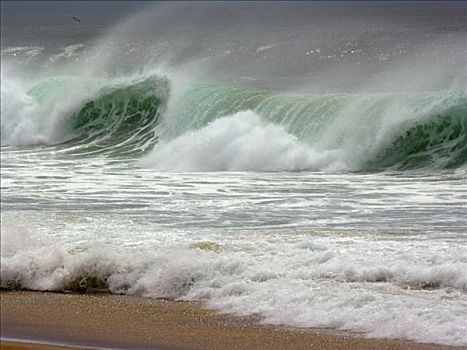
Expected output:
(331, 132)
(83, 115)
(224, 128)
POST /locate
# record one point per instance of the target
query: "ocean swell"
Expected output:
(215, 128)
(219, 128)
(85, 115)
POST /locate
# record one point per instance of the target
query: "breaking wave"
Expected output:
(213, 128)
(85, 115)
(235, 280)
(220, 128)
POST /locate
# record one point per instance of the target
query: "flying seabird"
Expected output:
(76, 19)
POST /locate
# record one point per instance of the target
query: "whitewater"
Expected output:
(312, 178)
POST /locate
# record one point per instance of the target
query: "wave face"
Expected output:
(86, 116)
(357, 132)
(121, 119)
(214, 128)
(440, 139)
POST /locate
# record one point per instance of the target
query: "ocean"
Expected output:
(301, 162)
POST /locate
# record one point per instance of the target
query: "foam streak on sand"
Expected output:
(94, 320)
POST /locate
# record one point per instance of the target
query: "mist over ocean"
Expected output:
(302, 162)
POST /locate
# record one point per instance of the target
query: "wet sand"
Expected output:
(17, 345)
(124, 322)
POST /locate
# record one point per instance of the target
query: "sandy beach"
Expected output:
(112, 321)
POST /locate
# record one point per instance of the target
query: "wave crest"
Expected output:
(213, 128)
(122, 120)
(219, 128)
(239, 142)
(85, 115)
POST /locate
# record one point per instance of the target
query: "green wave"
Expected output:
(374, 131)
(439, 141)
(122, 119)
(114, 117)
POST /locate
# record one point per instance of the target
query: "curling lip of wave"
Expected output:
(263, 131)
(122, 120)
(85, 115)
(358, 132)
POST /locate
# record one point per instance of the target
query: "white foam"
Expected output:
(267, 47)
(27, 120)
(239, 142)
(15, 236)
(31, 118)
(400, 290)
(30, 51)
(18, 116)
(67, 52)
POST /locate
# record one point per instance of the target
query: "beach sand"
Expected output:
(113, 321)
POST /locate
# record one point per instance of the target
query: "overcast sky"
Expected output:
(15, 8)
(97, 12)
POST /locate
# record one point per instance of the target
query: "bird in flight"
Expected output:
(76, 19)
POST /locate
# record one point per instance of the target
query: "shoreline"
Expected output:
(20, 344)
(54, 321)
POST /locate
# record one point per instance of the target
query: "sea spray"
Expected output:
(354, 132)
(239, 142)
(19, 123)
(85, 114)
(333, 282)
(128, 116)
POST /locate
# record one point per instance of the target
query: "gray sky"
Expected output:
(271, 41)
(93, 11)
